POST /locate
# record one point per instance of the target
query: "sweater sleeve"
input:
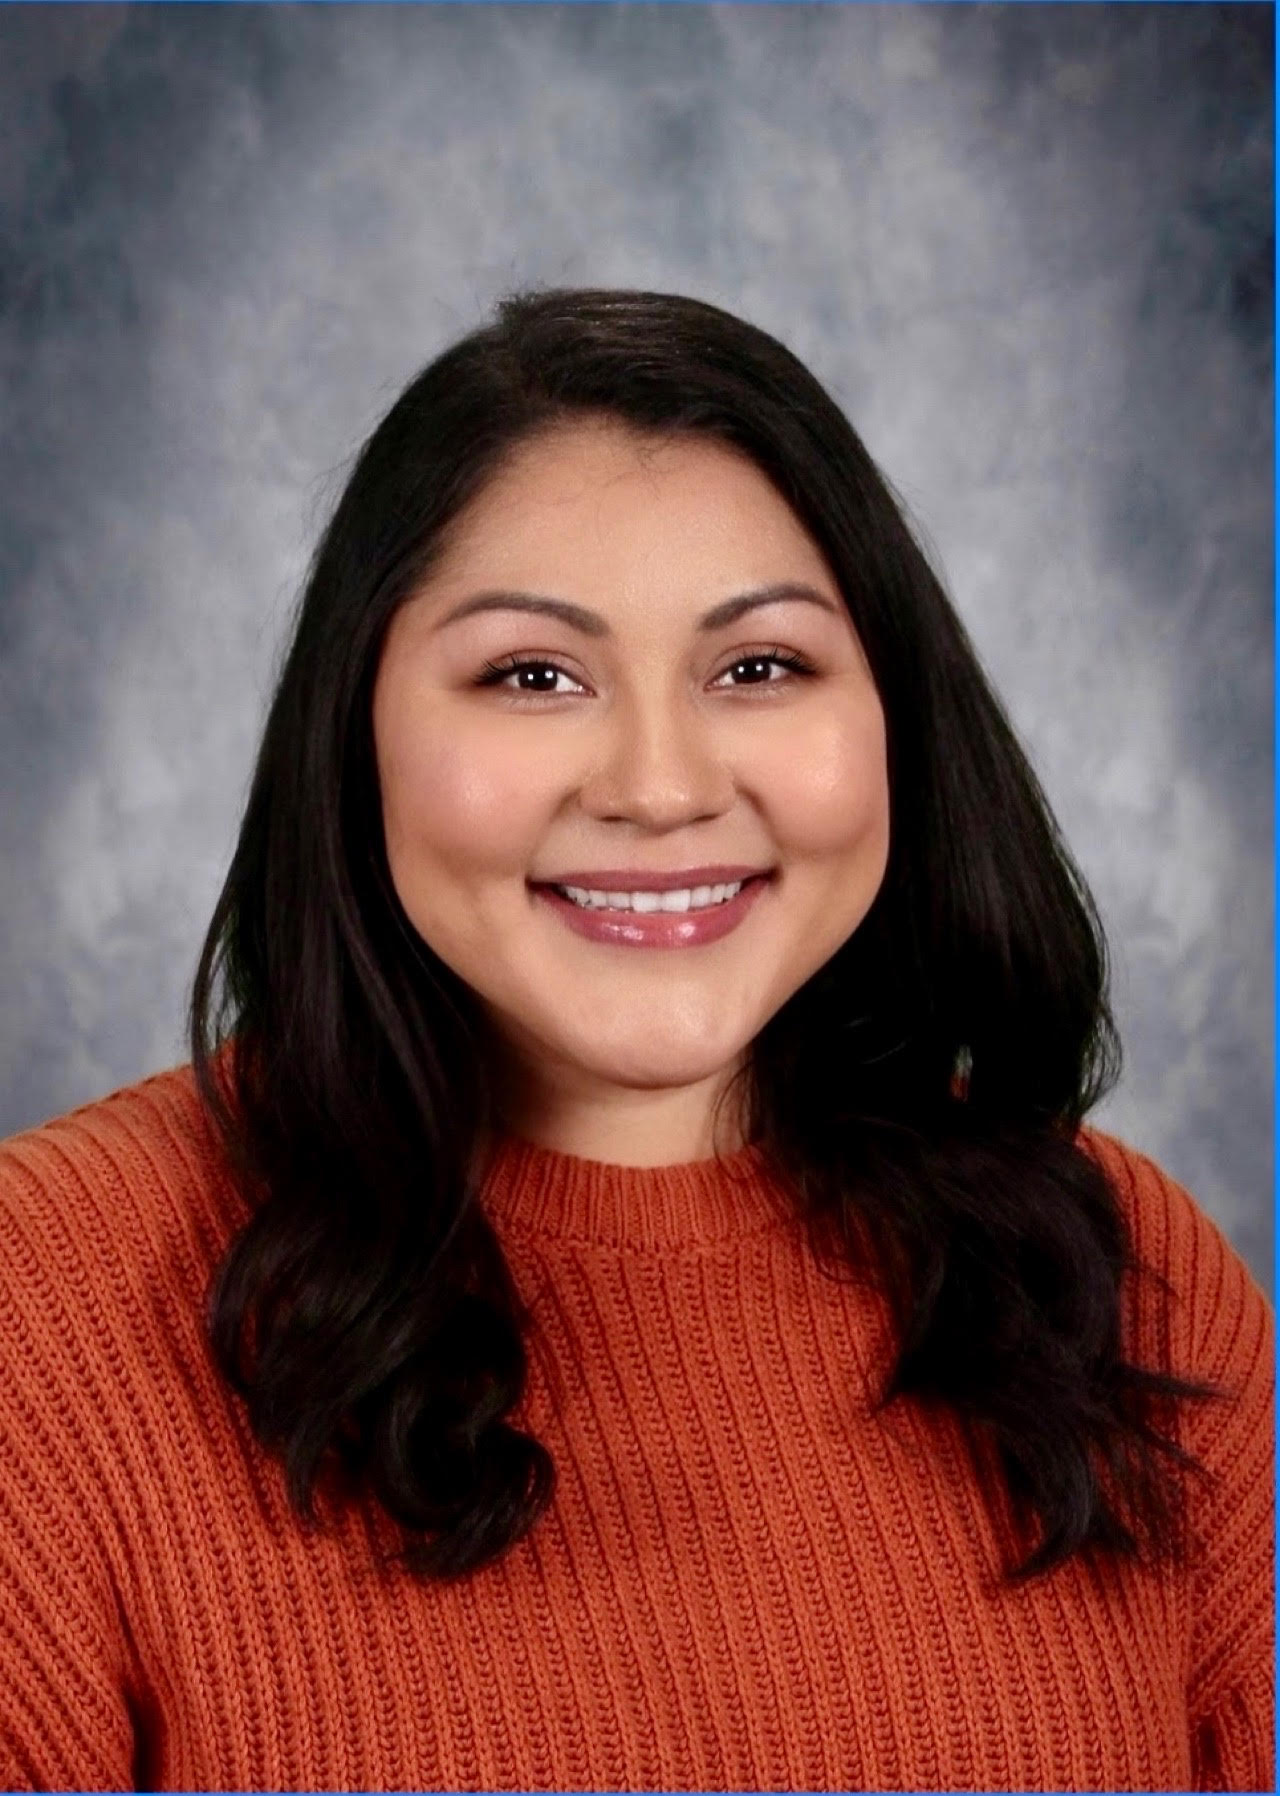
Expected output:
(1228, 1331)
(65, 1719)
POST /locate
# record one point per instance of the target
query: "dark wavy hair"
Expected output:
(365, 1312)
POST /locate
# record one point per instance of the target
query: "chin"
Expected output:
(666, 1069)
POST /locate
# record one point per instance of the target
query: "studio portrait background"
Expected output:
(1028, 249)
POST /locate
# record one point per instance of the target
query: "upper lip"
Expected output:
(642, 879)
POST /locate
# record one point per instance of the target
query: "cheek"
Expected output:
(453, 802)
(829, 789)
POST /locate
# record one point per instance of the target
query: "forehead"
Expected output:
(612, 491)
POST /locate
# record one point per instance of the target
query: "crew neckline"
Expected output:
(539, 1191)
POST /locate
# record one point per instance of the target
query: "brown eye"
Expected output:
(793, 663)
(544, 673)
(499, 672)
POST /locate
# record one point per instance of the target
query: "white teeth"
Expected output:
(696, 899)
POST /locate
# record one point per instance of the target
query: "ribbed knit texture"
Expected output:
(745, 1581)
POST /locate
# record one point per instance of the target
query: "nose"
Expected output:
(659, 764)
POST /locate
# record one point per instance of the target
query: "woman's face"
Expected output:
(644, 740)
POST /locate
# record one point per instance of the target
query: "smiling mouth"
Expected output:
(643, 900)
(678, 901)
(663, 920)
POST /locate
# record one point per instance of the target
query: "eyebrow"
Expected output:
(590, 623)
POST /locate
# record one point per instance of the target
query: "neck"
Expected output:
(639, 1129)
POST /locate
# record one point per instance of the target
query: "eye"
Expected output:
(795, 664)
(498, 673)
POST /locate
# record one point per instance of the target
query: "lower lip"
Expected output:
(655, 928)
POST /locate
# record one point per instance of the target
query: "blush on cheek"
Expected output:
(451, 808)
(832, 792)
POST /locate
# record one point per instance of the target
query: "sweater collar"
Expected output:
(537, 1191)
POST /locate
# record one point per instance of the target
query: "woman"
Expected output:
(668, 1325)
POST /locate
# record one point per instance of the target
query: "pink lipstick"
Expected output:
(655, 928)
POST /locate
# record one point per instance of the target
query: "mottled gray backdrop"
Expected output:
(1027, 247)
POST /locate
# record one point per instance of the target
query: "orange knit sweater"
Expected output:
(745, 1581)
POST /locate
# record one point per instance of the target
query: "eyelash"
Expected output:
(496, 671)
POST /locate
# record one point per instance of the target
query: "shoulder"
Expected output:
(1217, 1321)
(130, 1184)
(1169, 1221)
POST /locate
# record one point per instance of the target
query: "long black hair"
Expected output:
(921, 1094)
